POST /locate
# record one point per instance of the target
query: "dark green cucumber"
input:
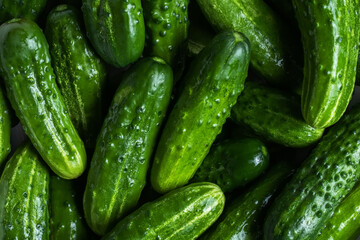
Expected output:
(319, 185)
(344, 223)
(125, 143)
(167, 28)
(243, 217)
(66, 216)
(274, 115)
(212, 84)
(116, 29)
(183, 213)
(357, 81)
(24, 196)
(80, 73)
(31, 87)
(233, 163)
(5, 127)
(29, 9)
(272, 48)
(330, 35)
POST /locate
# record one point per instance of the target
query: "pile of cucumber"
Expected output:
(179, 119)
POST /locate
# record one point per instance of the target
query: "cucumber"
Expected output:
(66, 217)
(323, 180)
(167, 28)
(233, 163)
(29, 9)
(125, 143)
(284, 8)
(274, 115)
(201, 110)
(80, 72)
(116, 29)
(183, 213)
(242, 219)
(31, 87)
(5, 127)
(24, 196)
(330, 35)
(272, 47)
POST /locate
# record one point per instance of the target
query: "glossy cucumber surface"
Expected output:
(31, 87)
(5, 127)
(29, 9)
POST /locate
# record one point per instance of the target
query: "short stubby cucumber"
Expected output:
(233, 163)
(166, 28)
(66, 215)
(29, 9)
(80, 73)
(272, 48)
(242, 218)
(182, 214)
(212, 84)
(322, 181)
(274, 115)
(31, 87)
(5, 127)
(330, 35)
(116, 29)
(125, 143)
(24, 196)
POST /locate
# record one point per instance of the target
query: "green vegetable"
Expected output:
(116, 29)
(29, 9)
(212, 84)
(242, 219)
(5, 127)
(33, 93)
(319, 185)
(274, 115)
(183, 213)
(233, 163)
(125, 144)
(80, 73)
(24, 196)
(330, 35)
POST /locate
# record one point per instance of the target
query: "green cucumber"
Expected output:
(5, 127)
(125, 143)
(323, 180)
(31, 87)
(183, 213)
(233, 163)
(80, 72)
(167, 28)
(272, 48)
(66, 216)
(201, 110)
(243, 217)
(116, 29)
(29, 9)
(24, 196)
(330, 35)
(274, 115)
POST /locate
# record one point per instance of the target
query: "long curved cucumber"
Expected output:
(5, 127)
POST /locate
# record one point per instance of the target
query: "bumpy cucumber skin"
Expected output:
(212, 84)
(29, 9)
(125, 144)
(33, 93)
(233, 163)
(242, 218)
(66, 217)
(181, 214)
(330, 35)
(274, 115)
(271, 45)
(116, 29)
(24, 196)
(166, 28)
(5, 127)
(319, 185)
(80, 72)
